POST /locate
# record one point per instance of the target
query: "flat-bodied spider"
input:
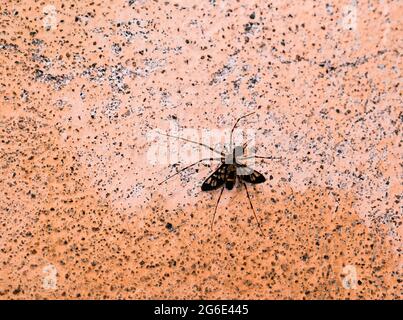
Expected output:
(230, 170)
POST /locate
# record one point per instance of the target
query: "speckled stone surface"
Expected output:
(83, 83)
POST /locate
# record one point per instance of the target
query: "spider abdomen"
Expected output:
(230, 178)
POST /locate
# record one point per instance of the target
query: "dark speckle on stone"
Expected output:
(248, 26)
(17, 290)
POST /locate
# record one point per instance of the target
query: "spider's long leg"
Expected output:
(251, 205)
(246, 144)
(195, 142)
(187, 167)
(233, 128)
(216, 206)
(260, 157)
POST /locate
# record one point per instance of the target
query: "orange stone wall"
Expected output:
(84, 86)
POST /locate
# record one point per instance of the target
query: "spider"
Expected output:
(230, 170)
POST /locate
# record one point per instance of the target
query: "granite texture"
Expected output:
(84, 85)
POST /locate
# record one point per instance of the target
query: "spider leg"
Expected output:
(187, 167)
(216, 206)
(236, 122)
(261, 157)
(251, 205)
(246, 144)
(195, 142)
